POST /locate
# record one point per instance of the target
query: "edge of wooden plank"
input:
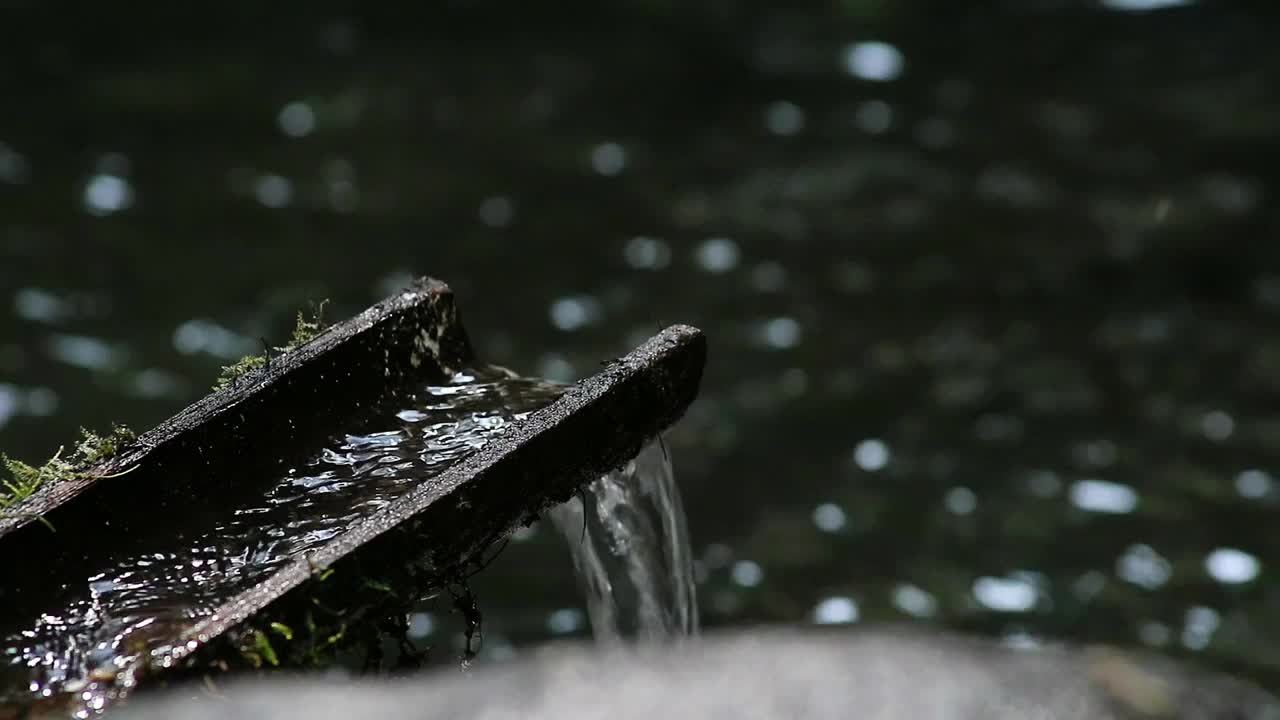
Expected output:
(605, 419)
(414, 333)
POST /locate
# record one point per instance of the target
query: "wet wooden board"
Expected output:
(596, 426)
(190, 464)
(415, 334)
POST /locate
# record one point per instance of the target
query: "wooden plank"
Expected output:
(348, 367)
(190, 468)
(430, 536)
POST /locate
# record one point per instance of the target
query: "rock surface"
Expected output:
(887, 674)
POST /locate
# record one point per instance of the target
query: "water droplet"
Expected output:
(273, 191)
(780, 333)
(296, 119)
(871, 454)
(784, 118)
(40, 305)
(154, 383)
(85, 352)
(1217, 425)
(877, 61)
(829, 517)
(1103, 497)
(199, 335)
(1232, 566)
(747, 573)
(836, 611)
(1143, 566)
(573, 313)
(609, 158)
(565, 620)
(421, 625)
(914, 601)
(1143, 5)
(13, 166)
(41, 402)
(960, 501)
(105, 194)
(8, 403)
(1253, 484)
(1005, 594)
(1199, 625)
(556, 368)
(718, 255)
(646, 253)
(1088, 585)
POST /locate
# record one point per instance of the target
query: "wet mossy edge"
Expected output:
(421, 322)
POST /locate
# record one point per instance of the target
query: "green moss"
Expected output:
(243, 366)
(282, 630)
(94, 448)
(25, 479)
(379, 586)
(337, 637)
(358, 618)
(304, 331)
(263, 650)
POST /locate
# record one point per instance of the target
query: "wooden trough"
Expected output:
(342, 595)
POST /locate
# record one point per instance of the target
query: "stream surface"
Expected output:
(991, 289)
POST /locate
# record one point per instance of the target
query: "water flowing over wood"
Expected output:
(199, 464)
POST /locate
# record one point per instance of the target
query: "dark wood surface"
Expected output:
(426, 539)
(352, 364)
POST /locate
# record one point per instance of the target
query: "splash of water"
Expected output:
(633, 557)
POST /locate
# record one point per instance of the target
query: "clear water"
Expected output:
(633, 558)
(85, 642)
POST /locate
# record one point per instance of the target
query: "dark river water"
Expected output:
(992, 295)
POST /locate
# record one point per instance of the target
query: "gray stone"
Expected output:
(890, 673)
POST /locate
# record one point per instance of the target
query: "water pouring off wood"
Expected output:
(299, 511)
(632, 556)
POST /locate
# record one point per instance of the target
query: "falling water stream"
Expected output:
(633, 558)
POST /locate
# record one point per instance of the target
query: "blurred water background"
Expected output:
(991, 288)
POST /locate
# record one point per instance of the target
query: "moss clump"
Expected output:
(304, 331)
(263, 651)
(24, 479)
(282, 630)
(93, 447)
(243, 366)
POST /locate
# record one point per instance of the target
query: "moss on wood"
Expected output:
(92, 448)
(304, 331)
